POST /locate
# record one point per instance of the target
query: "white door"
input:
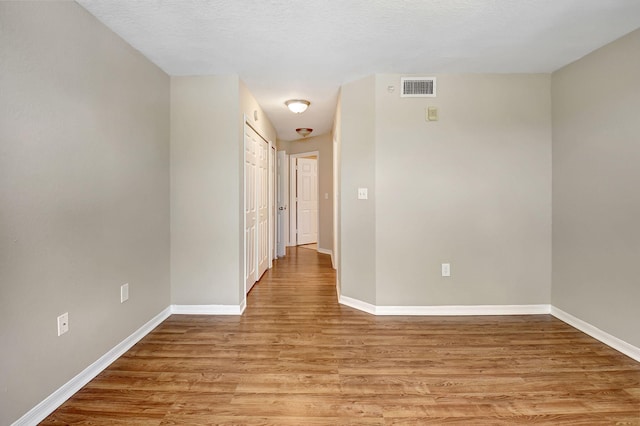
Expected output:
(282, 185)
(307, 195)
(250, 209)
(262, 186)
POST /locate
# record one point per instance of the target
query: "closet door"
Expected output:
(262, 185)
(250, 208)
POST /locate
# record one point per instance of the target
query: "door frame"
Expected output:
(282, 201)
(293, 205)
(271, 173)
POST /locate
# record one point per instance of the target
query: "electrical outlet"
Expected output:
(63, 323)
(446, 269)
(124, 292)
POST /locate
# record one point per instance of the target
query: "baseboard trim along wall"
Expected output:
(461, 310)
(357, 304)
(66, 391)
(464, 310)
(325, 251)
(606, 338)
(209, 309)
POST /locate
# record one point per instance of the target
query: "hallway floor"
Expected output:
(297, 357)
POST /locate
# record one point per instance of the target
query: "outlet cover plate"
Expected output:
(63, 323)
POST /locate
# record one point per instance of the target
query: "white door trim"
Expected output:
(282, 201)
(272, 204)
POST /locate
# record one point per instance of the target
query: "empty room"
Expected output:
(319, 212)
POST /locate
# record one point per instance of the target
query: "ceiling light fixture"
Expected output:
(297, 106)
(304, 131)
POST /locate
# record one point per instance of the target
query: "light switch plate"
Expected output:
(432, 114)
(446, 269)
(124, 292)
(363, 193)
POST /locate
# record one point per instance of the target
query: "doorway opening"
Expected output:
(304, 203)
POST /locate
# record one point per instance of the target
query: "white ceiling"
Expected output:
(285, 49)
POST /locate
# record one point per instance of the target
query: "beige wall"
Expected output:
(323, 144)
(596, 201)
(357, 170)
(207, 252)
(472, 189)
(205, 175)
(84, 195)
(337, 137)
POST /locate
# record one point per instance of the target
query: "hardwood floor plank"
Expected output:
(297, 357)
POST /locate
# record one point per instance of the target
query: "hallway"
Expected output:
(297, 357)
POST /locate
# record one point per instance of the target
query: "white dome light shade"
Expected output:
(297, 106)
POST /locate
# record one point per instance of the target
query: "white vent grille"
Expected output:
(418, 87)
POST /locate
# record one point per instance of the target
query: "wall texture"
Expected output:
(337, 136)
(357, 170)
(472, 189)
(205, 190)
(84, 195)
(596, 202)
(324, 145)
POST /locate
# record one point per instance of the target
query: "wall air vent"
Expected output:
(418, 87)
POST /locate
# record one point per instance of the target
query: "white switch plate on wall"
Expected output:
(363, 193)
(446, 269)
(124, 292)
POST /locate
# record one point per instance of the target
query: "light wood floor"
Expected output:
(296, 357)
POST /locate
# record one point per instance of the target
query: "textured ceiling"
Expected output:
(286, 49)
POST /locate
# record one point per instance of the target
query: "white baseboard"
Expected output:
(446, 310)
(209, 309)
(606, 338)
(464, 310)
(357, 304)
(53, 401)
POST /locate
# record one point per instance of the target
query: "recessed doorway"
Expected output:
(303, 213)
